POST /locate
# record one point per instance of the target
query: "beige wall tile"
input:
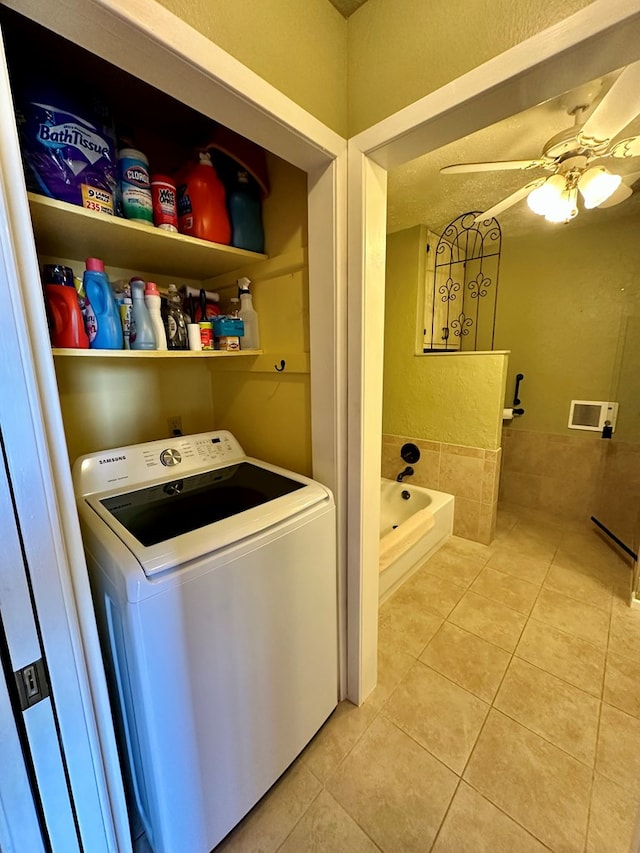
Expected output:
(490, 481)
(442, 717)
(462, 475)
(565, 456)
(475, 824)
(427, 470)
(520, 488)
(394, 789)
(559, 712)
(510, 763)
(463, 450)
(524, 451)
(487, 522)
(466, 518)
(570, 497)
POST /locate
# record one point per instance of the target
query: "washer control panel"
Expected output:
(139, 464)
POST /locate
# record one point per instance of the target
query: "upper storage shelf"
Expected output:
(68, 231)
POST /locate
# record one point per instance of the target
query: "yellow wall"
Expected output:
(399, 52)
(454, 398)
(299, 46)
(563, 301)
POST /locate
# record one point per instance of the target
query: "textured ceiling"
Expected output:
(347, 7)
(419, 194)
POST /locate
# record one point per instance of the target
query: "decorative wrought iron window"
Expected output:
(461, 287)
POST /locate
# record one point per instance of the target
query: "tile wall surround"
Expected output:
(561, 474)
(469, 473)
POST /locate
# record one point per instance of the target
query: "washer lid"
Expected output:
(169, 523)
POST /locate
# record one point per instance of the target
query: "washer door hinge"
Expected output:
(32, 684)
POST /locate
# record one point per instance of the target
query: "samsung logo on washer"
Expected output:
(113, 459)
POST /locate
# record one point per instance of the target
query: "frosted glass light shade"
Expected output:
(596, 185)
(545, 198)
(565, 208)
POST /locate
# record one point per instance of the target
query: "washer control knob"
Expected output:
(170, 457)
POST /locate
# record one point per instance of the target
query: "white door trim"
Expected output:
(603, 36)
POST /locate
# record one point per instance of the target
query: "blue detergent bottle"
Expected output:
(100, 295)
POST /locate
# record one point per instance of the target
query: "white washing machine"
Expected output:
(214, 583)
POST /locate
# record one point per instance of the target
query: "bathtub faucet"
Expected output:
(408, 472)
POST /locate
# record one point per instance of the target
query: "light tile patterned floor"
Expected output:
(506, 717)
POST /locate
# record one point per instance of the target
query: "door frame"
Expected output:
(594, 41)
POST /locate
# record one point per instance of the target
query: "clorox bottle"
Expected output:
(201, 199)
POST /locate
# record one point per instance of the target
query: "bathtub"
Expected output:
(411, 530)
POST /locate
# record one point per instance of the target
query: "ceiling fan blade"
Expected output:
(619, 106)
(495, 166)
(509, 200)
(626, 148)
(623, 192)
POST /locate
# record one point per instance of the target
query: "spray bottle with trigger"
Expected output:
(248, 315)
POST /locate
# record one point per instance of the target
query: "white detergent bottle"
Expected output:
(153, 302)
(248, 315)
(141, 334)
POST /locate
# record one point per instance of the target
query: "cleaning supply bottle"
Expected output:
(245, 209)
(153, 302)
(201, 201)
(99, 293)
(141, 335)
(248, 315)
(66, 324)
(174, 321)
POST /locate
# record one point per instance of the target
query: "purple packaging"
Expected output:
(68, 151)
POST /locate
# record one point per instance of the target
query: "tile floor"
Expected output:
(506, 717)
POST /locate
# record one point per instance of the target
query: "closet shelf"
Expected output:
(128, 354)
(69, 231)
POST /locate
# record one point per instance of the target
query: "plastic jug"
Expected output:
(67, 324)
(244, 203)
(141, 334)
(202, 210)
(99, 293)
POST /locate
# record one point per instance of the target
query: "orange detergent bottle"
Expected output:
(201, 201)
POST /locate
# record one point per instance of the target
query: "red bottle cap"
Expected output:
(151, 289)
(95, 264)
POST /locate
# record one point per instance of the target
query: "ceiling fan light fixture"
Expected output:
(544, 198)
(565, 208)
(596, 185)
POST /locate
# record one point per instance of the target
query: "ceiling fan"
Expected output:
(573, 157)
